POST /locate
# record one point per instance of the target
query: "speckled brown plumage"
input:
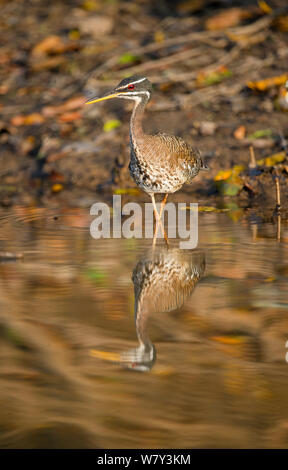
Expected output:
(162, 280)
(159, 163)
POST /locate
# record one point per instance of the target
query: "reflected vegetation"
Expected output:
(163, 280)
(67, 326)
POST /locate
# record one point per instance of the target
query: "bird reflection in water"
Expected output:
(163, 280)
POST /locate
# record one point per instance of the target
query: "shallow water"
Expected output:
(202, 364)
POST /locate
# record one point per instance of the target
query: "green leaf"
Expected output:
(261, 133)
(128, 58)
(110, 125)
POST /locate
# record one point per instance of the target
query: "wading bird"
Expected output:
(159, 163)
(163, 281)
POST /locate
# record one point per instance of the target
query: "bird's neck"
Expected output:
(136, 130)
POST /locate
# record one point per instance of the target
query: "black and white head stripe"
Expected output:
(134, 95)
(134, 88)
(128, 81)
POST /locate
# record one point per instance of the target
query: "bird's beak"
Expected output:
(108, 96)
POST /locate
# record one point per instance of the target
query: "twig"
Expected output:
(155, 46)
(224, 60)
(190, 37)
(252, 163)
(253, 27)
(277, 185)
(165, 61)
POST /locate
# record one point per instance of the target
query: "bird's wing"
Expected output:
(177, 148)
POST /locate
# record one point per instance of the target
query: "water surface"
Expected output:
(197, 361)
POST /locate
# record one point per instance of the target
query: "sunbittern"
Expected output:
(163, 281)
(159, 163)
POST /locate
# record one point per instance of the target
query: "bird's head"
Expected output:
(137, 88)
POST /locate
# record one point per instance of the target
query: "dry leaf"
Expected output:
(272, 159)
(28, 120)
(70, 116)
(240, 132)
(70, 105)
(56, 188)
(159, 36)
(228, 182)
(223, 175)
(265, 7)
(226, 19)
(213, 77)
(50, 45)
(265, 84)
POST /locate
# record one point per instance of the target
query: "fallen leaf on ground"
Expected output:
(51, 45)
(159, 36)
(70, 105)
(240, 132)
(272, 159)
(265, 7)
(260, 134)
(265, 84)
(213, 77)
(28, 120)
(111, 125)
(70, 116)
(228, 182)
(56, 188)
(227, 19)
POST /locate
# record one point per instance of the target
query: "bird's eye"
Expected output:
(130, 87)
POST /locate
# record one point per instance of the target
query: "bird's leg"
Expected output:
(163, 205)
(158, 219)
(163, 202)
